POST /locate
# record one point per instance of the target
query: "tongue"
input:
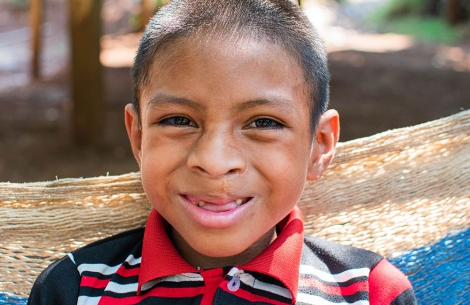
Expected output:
(219, 207)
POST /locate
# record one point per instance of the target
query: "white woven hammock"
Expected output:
(391, 192)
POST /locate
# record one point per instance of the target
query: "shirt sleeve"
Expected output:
(388, 285)
(57, 284)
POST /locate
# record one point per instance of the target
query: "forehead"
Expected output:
(231, 66)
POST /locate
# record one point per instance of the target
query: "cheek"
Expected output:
(160, 160)
(285, 169)
(287, 161)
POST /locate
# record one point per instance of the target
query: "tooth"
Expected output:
(239, 201)
(195, 203)
(201, 203)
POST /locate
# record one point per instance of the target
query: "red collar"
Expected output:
(280, 260)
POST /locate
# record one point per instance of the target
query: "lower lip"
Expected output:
(216, 220)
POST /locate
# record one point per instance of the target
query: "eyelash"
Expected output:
(177, 121)
(262, 123)
(265, 123)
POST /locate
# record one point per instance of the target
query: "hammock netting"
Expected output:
(404, 193)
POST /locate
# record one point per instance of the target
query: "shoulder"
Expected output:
(60, 282)
(336, 258)
(388, 285)
(112, 250)
(364, 274)
(57, 284)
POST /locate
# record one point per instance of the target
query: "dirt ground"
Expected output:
(373, 92)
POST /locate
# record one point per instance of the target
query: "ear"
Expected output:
(134, 132)
(324, 144)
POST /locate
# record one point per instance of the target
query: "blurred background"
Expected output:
(64, 75)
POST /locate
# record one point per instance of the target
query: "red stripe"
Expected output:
(335, 290)
(156, 292)
(386, 283)
(89, 281)
(124, 272)
(251, 296)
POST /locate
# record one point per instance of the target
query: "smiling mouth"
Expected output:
(219, 206)
(238, 202)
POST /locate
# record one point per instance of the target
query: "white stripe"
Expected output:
(105, 269)
(178, 278)
(132, 261)
(334, 278)
(312, 299)
(118, 288)
(99, 268)
(70, 255)
(249, 280)
(84, 300)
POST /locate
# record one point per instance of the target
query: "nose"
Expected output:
(216, 154)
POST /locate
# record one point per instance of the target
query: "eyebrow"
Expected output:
(275, 102)
(161, 100)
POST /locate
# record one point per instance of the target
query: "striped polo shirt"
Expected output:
(143, 267)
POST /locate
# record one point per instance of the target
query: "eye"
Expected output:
(177, 121)
(265, 123)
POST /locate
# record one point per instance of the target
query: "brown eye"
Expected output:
(265, 123)
(177, 121)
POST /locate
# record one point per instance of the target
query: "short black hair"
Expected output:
(280, 22)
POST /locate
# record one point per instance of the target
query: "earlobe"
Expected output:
(324, 145)
(134, 131)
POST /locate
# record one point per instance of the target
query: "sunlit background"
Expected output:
(393, 63)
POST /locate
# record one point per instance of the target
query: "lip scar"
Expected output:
(225, 186)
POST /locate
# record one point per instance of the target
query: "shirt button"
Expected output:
(234, 284)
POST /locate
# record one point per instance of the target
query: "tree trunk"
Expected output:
(35, 11)
(454, 11)
(86, 71)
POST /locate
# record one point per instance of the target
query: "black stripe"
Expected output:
(97, 275)
(265, 278)
(130, 267)
(186, 284)
(90, 291)
(119, 279)
(171, 301)
(406, 298)
(224, 298)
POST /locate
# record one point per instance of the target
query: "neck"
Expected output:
(202, 261)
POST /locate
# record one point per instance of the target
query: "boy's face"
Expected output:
(225, 144)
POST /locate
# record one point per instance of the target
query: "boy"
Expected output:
(228, 121)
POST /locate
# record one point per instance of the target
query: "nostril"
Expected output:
(215, 158)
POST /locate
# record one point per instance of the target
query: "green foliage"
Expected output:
(406, 17)
(22, 5)
(425, 29)
(135, 22)
(399, 8)
(160, 3)
(434, 30)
